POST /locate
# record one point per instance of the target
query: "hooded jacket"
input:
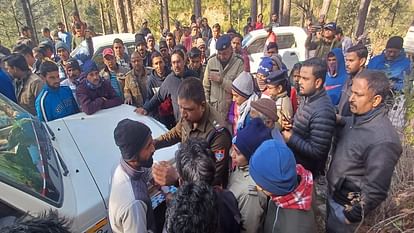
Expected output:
(334, 84)
(53, 104)
(395, 69)
(93, 100)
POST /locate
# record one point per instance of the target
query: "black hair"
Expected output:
(23, 49)
(43, 223)
(45, 29)
(75, 13)
(360, 50)
(46, 67)
(194, 52)
(192, 89)
(318, 65)
(118, 41)
(377, 82)
(78, 25)
(25, 29)
(169, 34)
(17, 60)
(216, 25)
(155, 54)
(237, 35)
(195, 162)
(339, 30)
(60, 24)
(193, 209)
(179, 52)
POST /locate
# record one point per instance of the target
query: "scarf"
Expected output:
(301, 197)
(243, 110)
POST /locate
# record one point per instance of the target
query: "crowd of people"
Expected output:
(254, 143)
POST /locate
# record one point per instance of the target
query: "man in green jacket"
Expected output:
(324, 42)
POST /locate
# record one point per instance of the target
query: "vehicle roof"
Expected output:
(93, 135)
(278, 30)
(108, 39)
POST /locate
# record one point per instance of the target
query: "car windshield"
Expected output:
(27, 158)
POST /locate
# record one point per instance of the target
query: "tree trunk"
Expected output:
(130, 18)
(274, 7)
(394, 13)
(280, 13)
(109, 16)
(325, 8)
(62, 6)
(75, 6)
(120, 16)
(102, 18)
(253, 10)
(338, 5)
(260, 6)
(165, 15)
(362, 16)
(29, 20)
(15, 16)
(197, 8)
(230, 2)
(286, 13)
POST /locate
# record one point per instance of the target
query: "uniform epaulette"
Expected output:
(239, 56)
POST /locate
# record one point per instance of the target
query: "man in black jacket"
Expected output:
(310, 134)
(367, 151)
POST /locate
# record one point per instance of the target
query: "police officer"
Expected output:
(198, 120)
(222, 68)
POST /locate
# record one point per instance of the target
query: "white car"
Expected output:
(409, 41)
(290, 39)
(64, 165)
(102, 42)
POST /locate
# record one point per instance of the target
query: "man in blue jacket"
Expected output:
(336, 75)
(6, 87)
(54, 101)
(393, 62)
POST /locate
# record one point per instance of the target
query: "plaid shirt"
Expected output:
(301, 197)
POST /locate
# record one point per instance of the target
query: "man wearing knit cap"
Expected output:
(265, 67)
(165, 54)
(289, 187)
(243, 95)
(265, 109)
(222, 68)
(323, 43)
(130, 208)
(277, 88)
(252, 203)
(62, 52)
(94, 92)
(393, 61)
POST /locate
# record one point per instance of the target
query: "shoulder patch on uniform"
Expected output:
(219, 154)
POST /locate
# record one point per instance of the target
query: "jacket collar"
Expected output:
(361, 119)
(316, 95)
(202, 125)
(131, 172)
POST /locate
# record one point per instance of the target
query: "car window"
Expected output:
(284, 41)
(27, 158)
(257, 46)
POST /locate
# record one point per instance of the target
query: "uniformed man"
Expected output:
(198, 120)
(222, 68)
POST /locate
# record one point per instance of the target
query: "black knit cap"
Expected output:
(131, 137)
(395, 42)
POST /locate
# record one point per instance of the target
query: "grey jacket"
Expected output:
(367, 151)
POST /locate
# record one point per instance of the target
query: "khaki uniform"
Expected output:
(120, 75)
(252, 203)
(284, 108)
(27, 90)
(209, 128)
(218, 94)
(135, 87)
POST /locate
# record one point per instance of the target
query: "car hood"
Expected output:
(93, 136)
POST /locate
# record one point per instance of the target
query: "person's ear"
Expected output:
(203, 105)
(362, 62)
(377, 100)
(318, 83)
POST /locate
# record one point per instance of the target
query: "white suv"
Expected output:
(64, 165)
(291, 41)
